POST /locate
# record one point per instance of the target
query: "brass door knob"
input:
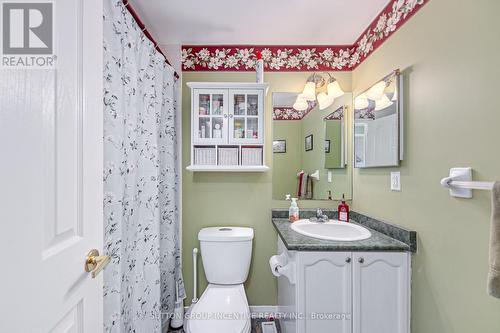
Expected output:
(94, 263)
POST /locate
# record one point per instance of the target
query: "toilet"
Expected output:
(226, 253)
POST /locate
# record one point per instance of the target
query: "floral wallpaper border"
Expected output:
(303, 58)
(289, 113)
(336, 115)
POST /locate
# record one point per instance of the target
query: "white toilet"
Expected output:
(226, 253)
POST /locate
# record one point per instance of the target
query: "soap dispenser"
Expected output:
(343, 210)
(293, 211)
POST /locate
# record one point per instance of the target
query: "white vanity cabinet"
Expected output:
(227, 126)
(381, 292)
(344, 292)
(324, 281)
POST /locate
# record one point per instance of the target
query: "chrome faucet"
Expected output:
(320, 217)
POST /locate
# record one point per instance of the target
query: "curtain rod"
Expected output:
(146, 32)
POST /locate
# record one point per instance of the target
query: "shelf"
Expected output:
(227, 168)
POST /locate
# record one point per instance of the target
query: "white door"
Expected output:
(381, 292)
(50, 176)
(324, 292)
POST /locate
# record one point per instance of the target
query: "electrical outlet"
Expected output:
(396, 181)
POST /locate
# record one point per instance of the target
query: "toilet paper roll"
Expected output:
(276, 262)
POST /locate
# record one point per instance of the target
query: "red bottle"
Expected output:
(343, 211)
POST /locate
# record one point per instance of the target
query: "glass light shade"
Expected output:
(395, 96)
(361, 102)
(334, 89)
(309, 92)
(324, 100)
(383, 103)
(375, 93)
(300, 103)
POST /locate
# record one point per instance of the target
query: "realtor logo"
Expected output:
(27, 29)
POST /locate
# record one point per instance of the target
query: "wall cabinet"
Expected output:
(227, 126)
(344, 292)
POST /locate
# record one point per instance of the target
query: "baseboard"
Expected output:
(263, 311)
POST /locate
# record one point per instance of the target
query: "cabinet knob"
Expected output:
(225, 116)
(230, 116)
(348, 260)
(361, 260)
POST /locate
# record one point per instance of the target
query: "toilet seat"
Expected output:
(221, 309)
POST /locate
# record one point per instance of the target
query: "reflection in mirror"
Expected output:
(310, 159)
(335, 139)
(377, 119)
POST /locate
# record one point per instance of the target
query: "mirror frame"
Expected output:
(398, 76)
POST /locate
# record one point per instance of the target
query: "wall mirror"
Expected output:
(378, 124)
(310, 149)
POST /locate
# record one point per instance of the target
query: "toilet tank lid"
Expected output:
(225, 234)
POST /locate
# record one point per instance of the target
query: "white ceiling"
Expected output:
(265, 22)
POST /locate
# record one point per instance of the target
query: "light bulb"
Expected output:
(376, 92)
(382, 103)
(324, 100)
(361, 102)
(334, 89)
(309, 92)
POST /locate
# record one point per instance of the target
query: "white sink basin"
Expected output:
(331, 230)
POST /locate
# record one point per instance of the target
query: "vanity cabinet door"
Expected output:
(246, 116)
(210, 115)
(381, 292)
(324, 292)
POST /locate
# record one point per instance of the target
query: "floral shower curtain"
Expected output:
(141, 179)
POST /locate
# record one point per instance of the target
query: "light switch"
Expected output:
(329, 176)
(396, 181)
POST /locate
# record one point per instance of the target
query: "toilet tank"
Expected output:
(226, 253)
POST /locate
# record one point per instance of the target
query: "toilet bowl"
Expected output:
(223, 307)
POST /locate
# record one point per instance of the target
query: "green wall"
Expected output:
(239, 199)
(333, 131)
(449, 52)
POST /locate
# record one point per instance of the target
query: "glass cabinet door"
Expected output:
(246, 115)
(210, 116)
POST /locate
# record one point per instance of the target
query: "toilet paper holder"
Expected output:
(280, 266)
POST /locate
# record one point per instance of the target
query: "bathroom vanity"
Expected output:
(336, 286)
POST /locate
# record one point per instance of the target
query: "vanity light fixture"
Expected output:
(375, 93)
(383, 102)
(361, 102)
(333, 88)
(325, 99)
(309, 92)
(395, 95)
(300, 103)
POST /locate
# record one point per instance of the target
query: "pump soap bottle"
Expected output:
(293, 211)
(343, 210)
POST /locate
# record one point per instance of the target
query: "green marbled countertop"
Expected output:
(297, 242)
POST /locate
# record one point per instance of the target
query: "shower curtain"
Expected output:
(141, 179)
